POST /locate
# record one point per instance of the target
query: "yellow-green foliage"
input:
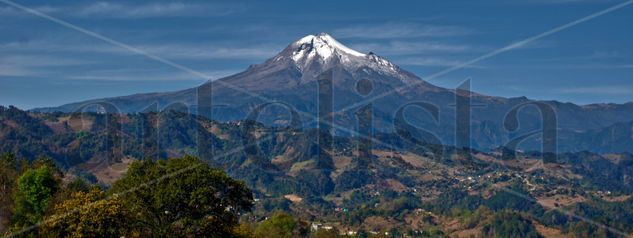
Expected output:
(8, 177)
(280, 225)
(324, 234)
(89, 214)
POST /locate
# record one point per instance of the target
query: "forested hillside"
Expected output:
(292, 184)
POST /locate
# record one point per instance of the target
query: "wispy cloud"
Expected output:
(553, 2)
(204, 52)
(399, 30)
(603, 90)
(190, 51)
(577, 66)
(144, 75)
(595, 56)
(411, 48)
(421, 53)
(35, 65)
(166, 9)
(120, 10)
(49, 66)
(186, 51)
(40, 60)
(432, 62)
(12, 70)
(8, 11)
(66, 58)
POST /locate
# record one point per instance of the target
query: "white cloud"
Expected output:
(434, 62)
(35, 65)
(566, 66)
(552, 2)
(145, 75)
(40, 60)
(399, 30)
(189, 51)
(168, 9)
(411, 48)
(8, 11)
(45, 66)
(204, 52)
(12, 70)
(45, 58)
(186, 51)
(595, 55)
(119, 10)
(605, 90)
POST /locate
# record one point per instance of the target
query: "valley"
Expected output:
(399, 187)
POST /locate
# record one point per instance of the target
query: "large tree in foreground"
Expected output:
(183, 197)
(89, 214)
(36, 188)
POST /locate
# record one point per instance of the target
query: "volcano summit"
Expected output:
(288, 84)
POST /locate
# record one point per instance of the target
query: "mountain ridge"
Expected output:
(290, 80)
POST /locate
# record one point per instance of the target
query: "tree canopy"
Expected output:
(89, 214)
(36, 188)
(183, 196)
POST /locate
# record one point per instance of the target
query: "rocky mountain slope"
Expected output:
(289, 82)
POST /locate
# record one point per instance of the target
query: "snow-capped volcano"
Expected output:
(324, 52)
(322, 45)
(290, 81)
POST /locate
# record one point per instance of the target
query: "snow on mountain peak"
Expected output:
(322, 45)
(324, 48)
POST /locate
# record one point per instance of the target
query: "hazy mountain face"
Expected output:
(358, 93)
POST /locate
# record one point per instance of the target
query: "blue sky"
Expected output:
(45, 64)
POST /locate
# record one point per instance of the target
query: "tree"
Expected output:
(89, 214)
(68, 191)
(183, 197)
(9, 172)
(280, 225)
(324, 234)
(36, 188)
(509, 224)
(245, 230)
